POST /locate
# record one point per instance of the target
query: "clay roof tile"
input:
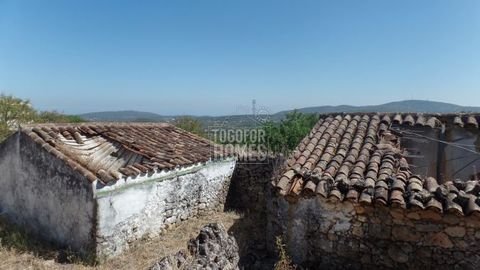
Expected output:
(359, 158)
(92, 146)
(472, 121)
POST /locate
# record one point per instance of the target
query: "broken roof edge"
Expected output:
(102, 189)
(73, 164)
(417, 193)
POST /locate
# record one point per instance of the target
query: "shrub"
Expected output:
(284, 262)
(285, 135)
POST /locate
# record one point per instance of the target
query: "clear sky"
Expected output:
(208, 57)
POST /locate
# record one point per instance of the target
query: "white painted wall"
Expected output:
(42, 194)
(144, 207)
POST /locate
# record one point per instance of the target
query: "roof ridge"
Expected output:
(66, 124)
(371, 113)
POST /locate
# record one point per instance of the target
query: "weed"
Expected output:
(284, 262)
(13, 237)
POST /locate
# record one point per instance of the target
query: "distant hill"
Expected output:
(417, 106)
(137, 116)
(124, 116)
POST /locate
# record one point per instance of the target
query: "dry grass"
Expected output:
(141, 255)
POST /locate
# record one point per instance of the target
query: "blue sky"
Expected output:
(209, 57)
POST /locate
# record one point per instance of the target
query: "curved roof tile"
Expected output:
(358, 158)
(110, 151)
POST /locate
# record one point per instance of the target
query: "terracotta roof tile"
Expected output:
(110, 151)
(458, 121)
(359, 158)
(472, 121)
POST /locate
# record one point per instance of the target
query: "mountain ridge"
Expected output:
(412, 106)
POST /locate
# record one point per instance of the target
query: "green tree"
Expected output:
(190, 124)
(285, 135)
(16, 111)
(13, 112)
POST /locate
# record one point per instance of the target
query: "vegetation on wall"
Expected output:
(284, 261)
(285, 135)
(16, 111)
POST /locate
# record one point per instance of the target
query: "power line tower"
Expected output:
(254, 105)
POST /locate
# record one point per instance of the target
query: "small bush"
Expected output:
(190, 124)
(284, 136)
(284, 262)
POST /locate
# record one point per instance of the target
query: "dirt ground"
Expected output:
(141, 255)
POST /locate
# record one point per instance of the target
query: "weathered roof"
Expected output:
(110, 151)
(359, 158)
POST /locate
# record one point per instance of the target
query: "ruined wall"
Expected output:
(42, 194)
(248, 194)
(143, 209)
(250, 183)
(423, 154)
(448, 155)
(321, 234)
(459, 162)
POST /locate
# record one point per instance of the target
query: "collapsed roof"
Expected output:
(111, 151)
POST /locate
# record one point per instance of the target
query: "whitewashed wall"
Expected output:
(139, 208)
(42, 194)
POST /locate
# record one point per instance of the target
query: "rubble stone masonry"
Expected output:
(323, 234)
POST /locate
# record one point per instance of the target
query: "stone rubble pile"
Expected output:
(213, 248)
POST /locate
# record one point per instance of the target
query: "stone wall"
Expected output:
(342, 235)
(248, 194)
(144, 209)
(43, 195)
(250, 184)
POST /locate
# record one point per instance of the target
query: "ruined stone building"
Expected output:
(360, 191)
(382, 191)
(95, 188)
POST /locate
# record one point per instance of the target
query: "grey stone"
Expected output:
(170, 220)
(213, 248)
(397, 254)
(342, 226)
(440, 240)
(379, 231)
(428, 227)
(455, 231)
(404, 233)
